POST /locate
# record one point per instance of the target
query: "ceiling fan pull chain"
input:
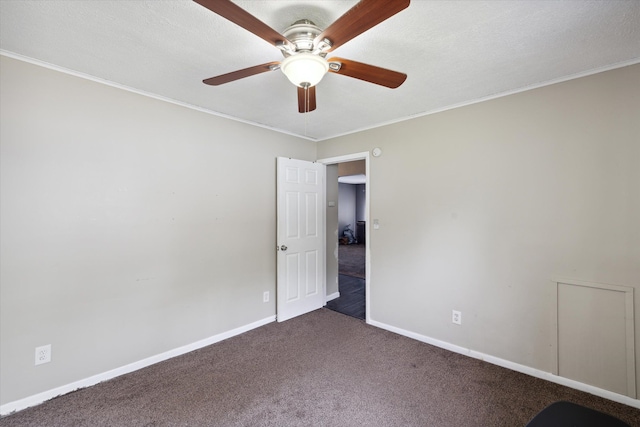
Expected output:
(306, 109)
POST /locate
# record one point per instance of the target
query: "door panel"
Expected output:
(292, 215)
(311, 267)
(311, 226)
(293, 277)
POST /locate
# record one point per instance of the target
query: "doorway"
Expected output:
(348, 263)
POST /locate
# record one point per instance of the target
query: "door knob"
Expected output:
(283, 248)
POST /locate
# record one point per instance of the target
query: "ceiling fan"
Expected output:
(305, 47)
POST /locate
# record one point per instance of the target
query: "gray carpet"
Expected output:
(320, 369)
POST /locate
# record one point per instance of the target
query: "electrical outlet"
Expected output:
(456, 317)
(43, 354)
(265, 296)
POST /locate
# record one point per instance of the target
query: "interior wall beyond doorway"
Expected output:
(357, 167)
(347, 208)
(331, 230)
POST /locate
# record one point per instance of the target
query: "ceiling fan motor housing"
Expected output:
(302, 33)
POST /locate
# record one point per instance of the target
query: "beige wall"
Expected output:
(479, 207)
(129, 226)
(125, 220)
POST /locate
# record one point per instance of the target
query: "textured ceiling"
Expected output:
(454, 53)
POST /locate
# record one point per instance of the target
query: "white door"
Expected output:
(301, 251)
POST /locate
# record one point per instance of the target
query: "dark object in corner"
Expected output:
(348, 234)
(567, 414)
(360, 231)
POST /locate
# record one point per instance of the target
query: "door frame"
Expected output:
(367, 281)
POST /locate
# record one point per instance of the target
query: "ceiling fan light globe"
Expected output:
(304, 69)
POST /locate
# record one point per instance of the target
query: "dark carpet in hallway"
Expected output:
(351, 260)
(351, 282)
(352, 297)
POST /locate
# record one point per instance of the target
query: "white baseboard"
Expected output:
(333, 296)
(36, 399)
(626, 400)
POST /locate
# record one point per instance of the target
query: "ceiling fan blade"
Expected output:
(364, 15)
(369, 73)
(240, 74)
(306, 99)
(241, 17)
